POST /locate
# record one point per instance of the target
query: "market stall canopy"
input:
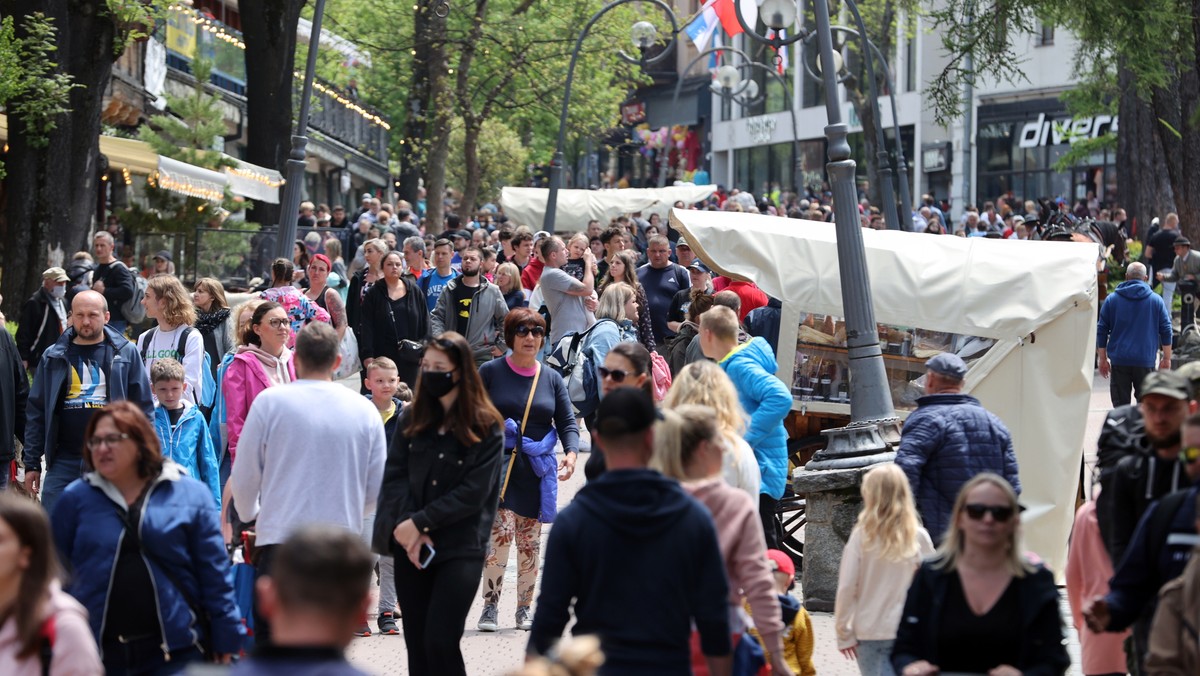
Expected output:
(1036, 300)
(253, 181)
(122, 153)
(190, 180)
(527, 206)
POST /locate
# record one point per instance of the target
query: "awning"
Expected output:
(190, 180)
(527, 206)
(122, 153)
(253, 181)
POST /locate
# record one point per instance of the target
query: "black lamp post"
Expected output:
(294, 173)
(644, 34)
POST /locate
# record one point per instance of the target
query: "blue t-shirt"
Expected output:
(433, 284)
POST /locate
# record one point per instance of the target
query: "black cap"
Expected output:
(625, 410)
(1182, 241)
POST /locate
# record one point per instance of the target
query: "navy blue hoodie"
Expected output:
(640, 559)
(1133, 323)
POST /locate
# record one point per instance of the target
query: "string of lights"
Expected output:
(337, 96)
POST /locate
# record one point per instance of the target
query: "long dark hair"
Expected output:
(639, 356)
(472, 417)
(32, 528)
(132, 421)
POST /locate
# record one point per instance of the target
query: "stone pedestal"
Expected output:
(831, 506)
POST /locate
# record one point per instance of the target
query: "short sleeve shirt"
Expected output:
(567, 312)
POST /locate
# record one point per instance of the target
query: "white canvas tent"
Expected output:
(1036, 299)
(527, 206)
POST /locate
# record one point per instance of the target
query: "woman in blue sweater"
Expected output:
(537, 411)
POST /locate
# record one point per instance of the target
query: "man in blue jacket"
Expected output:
(88, 367)
(1134, 323)
(751, 366)
(949, 439)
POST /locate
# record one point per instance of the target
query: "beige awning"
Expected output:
(253, 181)
(122, 153)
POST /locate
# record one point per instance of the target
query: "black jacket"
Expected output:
(14, 391)
(39, 328)
(1042, 649)
(448, 490)
(376, 333)
(1127, 491)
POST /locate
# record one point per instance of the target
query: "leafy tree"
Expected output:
(501, 158)
(29, 86)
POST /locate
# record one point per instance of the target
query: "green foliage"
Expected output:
(134, 20)
(222, 253)
(502, 158)
(30, 86)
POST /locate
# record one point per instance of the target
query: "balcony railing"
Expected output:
(336, 115)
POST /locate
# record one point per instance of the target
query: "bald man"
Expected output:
(90, 365)
(1134, 323)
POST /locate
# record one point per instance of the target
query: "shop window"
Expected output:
(821, 374)
(1045, 35)
(910, 65)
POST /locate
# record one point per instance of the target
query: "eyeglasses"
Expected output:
(1189, 454)
(525, 329)
(1000, 513)
(617, 375)
(109, 440)
(276, 323)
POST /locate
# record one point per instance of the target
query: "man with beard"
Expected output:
(88, 367)
(1140, 478)
(474, 307)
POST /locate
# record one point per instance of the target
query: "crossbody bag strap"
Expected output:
(521, 433)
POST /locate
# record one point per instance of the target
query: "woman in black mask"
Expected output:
(438, 501)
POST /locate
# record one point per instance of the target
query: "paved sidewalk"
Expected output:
(495, 654)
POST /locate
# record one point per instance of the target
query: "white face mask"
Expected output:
(59, 292)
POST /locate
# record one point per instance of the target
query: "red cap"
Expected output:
(781, 562)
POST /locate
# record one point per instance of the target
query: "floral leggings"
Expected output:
(528, 534)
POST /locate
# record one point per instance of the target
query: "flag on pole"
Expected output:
(781, 55)
(726, 12)
(700, 30)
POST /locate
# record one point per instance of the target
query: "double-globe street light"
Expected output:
(644, 36)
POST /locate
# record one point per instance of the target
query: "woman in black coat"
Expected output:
(439, 494)
(393, 320)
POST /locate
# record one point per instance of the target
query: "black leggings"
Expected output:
(433, 608)
(772, 528)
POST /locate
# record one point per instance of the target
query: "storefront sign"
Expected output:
(761, 129)
(1043, 132)
(633, 113)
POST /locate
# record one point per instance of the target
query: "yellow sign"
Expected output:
(181, 34)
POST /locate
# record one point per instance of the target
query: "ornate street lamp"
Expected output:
(644, 35)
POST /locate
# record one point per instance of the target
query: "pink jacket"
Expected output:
(1088, 572)
(740, 536)
(244, 379)
(74, 649)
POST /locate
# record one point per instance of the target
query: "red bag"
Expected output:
(660, 373)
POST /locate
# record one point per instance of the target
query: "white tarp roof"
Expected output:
(527, 206)
(1037, 299)
(253, 181)
(188, 179)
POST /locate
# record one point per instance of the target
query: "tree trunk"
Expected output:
(412, 147)
(52, 187)
(1174, 106)
(1143, 185)
(438, 116)
(474, 172)
(270, 27)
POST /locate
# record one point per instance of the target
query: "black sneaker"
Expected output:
(387, 624)
(363, 630)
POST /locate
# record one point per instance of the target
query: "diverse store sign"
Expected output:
(1045, 132)
(761, 129)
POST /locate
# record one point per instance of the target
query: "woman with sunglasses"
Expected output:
(439, 493)
(143, 543)
(979, 606)
(394, 320)
(627, 364)
(537, 409)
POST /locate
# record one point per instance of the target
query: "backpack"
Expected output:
(660, 371)
(577, 366)
(208, 384)
(132, 309)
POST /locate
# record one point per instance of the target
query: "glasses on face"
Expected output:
(1000, 513)
(109, 440)
(617, 375)
(524, 330)
(1189, 454)
(276, 323)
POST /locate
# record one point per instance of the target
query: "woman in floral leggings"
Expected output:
(530, 477)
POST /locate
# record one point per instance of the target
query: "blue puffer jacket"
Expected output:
(948, 440)
(751, 366)
(189, 446)
(127, 381)
(180, 527)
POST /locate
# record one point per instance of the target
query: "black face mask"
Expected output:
(438, 383)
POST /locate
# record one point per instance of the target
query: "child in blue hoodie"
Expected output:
(181, 427)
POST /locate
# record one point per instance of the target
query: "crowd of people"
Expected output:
(491, 360)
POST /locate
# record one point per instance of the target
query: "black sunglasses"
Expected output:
(999, 513)
(524, 330)
(617, 375)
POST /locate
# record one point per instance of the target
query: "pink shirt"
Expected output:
(1088, 572)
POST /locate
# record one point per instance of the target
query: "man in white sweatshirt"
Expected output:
(295, 468)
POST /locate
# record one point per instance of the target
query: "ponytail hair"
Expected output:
(677, 437)
(281, 271)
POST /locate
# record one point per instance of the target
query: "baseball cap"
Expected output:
(1191, 371)
(164, 254)
(949, 365)
(57, 274)
(780, 562)
(367, 196)
(682, 242)
(625, 410)
(461, 234)
(1167, 383)
(699, 266)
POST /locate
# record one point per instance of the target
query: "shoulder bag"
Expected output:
(521, 433)
(410, 351)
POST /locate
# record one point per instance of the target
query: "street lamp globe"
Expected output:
(838, 63)
(728, 76)
(778, 14)
(751, 92)
(644, 34)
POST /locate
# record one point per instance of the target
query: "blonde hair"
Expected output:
(888, 522)
(613, 300)
(677, 437)
(514, 276)
(381, 364)
(578, 656)
(333, 249)
(953, 543)
(704, 383)
(179, 309)
(580, 237)
(166, 369)
(247, 309)
(722, 321)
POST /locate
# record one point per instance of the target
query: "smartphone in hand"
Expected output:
(425, 556)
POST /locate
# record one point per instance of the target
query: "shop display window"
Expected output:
(821, 371)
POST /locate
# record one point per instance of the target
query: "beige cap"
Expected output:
(57, 274)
